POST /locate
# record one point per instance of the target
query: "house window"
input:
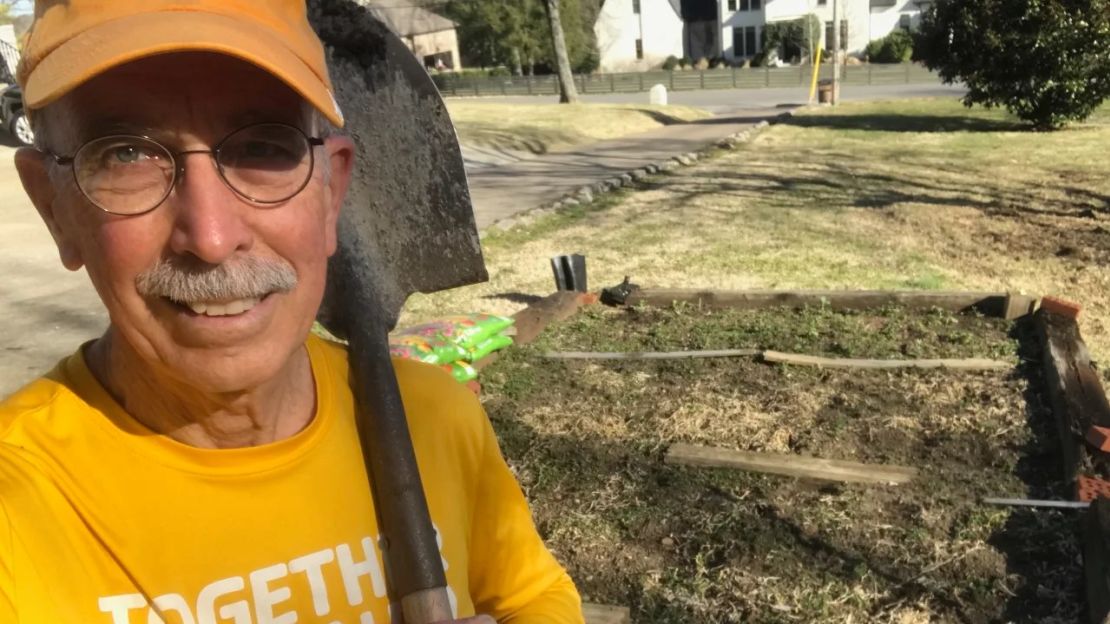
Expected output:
(636, 6)
(756, 5)
(843, 35)
(745, 41)
(822, 2)
(747, 5)
(904, 23)
(639, 49)
(731, 5)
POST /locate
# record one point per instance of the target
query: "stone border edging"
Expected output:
(590, 192)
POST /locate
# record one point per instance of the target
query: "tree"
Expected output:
(791, 38)
(568, 94)
(517, 33)
(1046, 61)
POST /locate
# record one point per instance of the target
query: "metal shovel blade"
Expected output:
(407, 226)
(409, 204)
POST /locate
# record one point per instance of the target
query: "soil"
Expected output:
(680, 544)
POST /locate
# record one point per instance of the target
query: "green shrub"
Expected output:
(589, 63)
(1046, 61)
(897, 47)
(685, 62)
(670, 63)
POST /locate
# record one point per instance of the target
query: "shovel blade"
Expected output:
(408, 221)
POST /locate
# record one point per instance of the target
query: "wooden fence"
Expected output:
(722, 78)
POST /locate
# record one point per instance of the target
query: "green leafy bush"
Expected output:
(1046, 61)
(670, 63)
(897, 47)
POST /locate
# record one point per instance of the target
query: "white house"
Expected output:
(636, 35)
(640, 34)
(431, 37)
(862, 21)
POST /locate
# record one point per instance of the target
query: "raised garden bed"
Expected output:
(593, 443)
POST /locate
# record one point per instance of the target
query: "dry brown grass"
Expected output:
(676, 544)
(922, 194)
(540, 128)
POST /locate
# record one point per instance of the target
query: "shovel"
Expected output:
(407, 226)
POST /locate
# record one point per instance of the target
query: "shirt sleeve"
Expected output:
(513, 576)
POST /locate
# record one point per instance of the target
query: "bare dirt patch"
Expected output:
(684, 544)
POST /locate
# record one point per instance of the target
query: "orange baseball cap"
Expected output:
(73, 40)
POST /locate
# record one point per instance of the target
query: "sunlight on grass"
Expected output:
(540, 128)
(922, 194)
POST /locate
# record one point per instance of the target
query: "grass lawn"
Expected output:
(919, 194)
(540, 128)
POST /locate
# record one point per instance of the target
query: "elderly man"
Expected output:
(195, 463)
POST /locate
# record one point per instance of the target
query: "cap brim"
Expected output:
(130, 38)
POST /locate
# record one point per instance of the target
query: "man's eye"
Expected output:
(261, 149)
(128, 154)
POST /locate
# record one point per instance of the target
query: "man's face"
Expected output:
(191, 102)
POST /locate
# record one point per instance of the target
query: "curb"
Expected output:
(591, 192)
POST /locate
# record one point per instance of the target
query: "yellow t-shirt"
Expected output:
(103, 521)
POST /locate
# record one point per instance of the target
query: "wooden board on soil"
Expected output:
(587, 440)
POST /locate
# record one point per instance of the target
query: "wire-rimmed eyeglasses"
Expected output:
(265, 163)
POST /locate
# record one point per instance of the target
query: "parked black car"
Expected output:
(11, 115)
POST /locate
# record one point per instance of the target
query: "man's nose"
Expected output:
(210, 219)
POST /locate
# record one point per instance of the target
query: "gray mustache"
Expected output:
(243, 278)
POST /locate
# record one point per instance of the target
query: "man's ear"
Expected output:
(340, 152)
(35, 175)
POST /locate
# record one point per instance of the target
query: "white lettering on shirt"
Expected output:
(118, 606)
(256, 597)
(265, 599)
(352, 571)
(311, 565)
(238, 612)
(170, 602)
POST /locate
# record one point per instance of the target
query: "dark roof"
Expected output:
(406, 17)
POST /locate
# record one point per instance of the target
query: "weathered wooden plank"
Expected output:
(531, 321)
(555, 307)
(1074, 390)
(1018, 305)
(991, 304)
(649, 355)
(788, 465)
(1096, 560)
(1026, 502)
(605, 614)
(978, 364)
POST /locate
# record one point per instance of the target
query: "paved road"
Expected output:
(504, 184)
(47, 311)
(501, 191)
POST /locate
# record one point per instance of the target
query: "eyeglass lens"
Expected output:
(266, 163)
